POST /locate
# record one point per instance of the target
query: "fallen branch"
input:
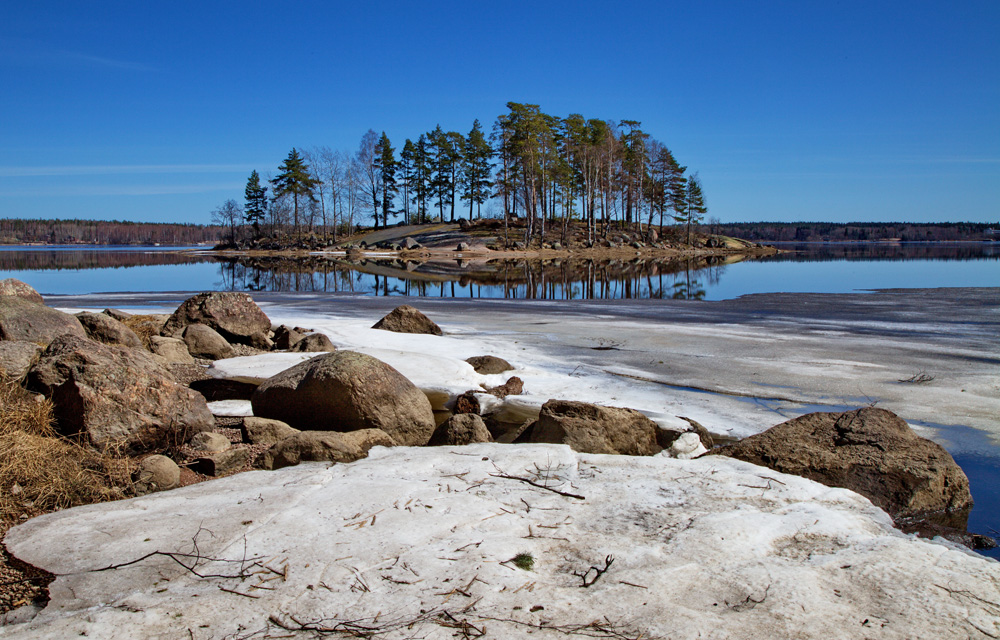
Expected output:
(598, 572)
(540, 486)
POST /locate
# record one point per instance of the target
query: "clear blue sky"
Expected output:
(797, 110)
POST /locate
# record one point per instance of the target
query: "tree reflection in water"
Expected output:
(566, 279)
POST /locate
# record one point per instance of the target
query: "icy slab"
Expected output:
(418, 542)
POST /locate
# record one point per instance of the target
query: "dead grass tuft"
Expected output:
(41, 472)
(23, 411)
(144, 326)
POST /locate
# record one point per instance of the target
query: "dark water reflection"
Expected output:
(531, 279)
(818, 267)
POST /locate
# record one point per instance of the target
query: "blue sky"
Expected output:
(789, 111)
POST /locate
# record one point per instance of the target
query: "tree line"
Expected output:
(857, 231)
(538, 169)
(17, 231)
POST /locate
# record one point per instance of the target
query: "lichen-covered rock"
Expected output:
(205, 342)
(590, 428)
(22, 319)
(406, 319)
(234, 315)
(323, 446)
(116, 396)
(870, 451)
(347, 391)
(14, 287)
(107, 329)
(460, 429)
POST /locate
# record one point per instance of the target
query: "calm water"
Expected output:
(821, 268)
(825, 268)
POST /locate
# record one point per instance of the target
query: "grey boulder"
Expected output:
(591, 428)
(870, 451)
(347, 391)
(323, 446)
(234, 315)
(16, 357)
(205, 342)
(16, 288)
(460, 429)
(407, 319)
(107, 329)
(116, 396)
(313, 343)
(21, 319)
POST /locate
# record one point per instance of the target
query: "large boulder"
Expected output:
(234, 315)
(116, 396)
(14, 287)
(347, 391)
(323, 446)
(107, 329)
(590, 428)
(870, 451)
(406, 319)
(487, 365)
(205, 342)
(16, 357)
(21, 319)
(460, 429)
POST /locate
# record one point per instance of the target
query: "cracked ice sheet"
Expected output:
(708, 548)
(436, 364)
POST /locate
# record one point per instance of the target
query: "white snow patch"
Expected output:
(416, 542)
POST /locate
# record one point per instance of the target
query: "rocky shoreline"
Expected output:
(115, 388)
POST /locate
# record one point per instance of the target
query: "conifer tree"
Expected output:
(295, 179)
(406, 161)
(256, 203)
(386, 163)
(476, 169)
(696, 208)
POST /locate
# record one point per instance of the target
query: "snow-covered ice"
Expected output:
(417, 542)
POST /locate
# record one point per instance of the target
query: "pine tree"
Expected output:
(476, 169)
(295, 179)
(696, 208)
(256, 203)
(406, 161)
(387, 166)
(422, 172)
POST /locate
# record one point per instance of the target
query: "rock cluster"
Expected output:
(110, 379)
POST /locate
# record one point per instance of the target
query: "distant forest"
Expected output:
(857, 231)
(14, 231)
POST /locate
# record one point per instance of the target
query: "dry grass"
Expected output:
(41, 472)
(144, 326)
